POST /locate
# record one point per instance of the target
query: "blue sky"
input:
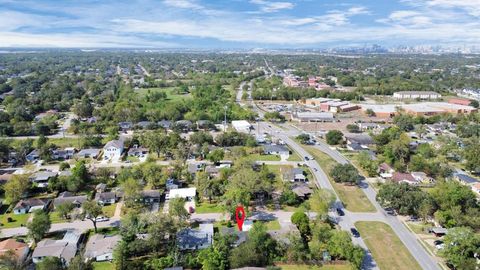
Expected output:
(238, 23)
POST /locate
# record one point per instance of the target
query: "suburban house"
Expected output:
(276, 149)
(422, 177)
(113, 150)
(385, 170)
(295, 175)
(89, 153)
(302, 190)
(165, 124)
(30, 205)
(66, 196)
(364, 140)
(100, 247)
(144, 124)
(33, 156)
(19, 248)
(137, 151)
(172, 184)
(465, 179)
(41, 178)
(150, 196)
(66, 153)
(125, 125)
(356, 147)
(64, 249)
(404, 178)
(476, 188)
(212, 171)
(101, 188)
(106, 198)
(187, 193)
(195, 239)
(239, 236)
(184, 125)
(195, 167)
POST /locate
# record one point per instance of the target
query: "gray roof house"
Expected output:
(65, 249)
(165, 124)
(89, 153)
(275, 149)
(295, 175)
(465, 179)
(41, 178)
(105, 198)
(69, 197)
(194, 239)
(100, 247)
(30, 205)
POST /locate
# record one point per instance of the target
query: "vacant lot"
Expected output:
(172, 92)
(352, 196)
(387, 249)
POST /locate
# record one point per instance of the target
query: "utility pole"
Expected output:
(225, 120)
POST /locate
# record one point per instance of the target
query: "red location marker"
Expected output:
(240, 216)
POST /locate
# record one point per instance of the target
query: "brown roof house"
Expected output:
(11, 245)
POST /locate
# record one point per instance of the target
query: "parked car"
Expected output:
(354, 232)
(102, 219)
(390, 211)
(307, 159)
(340, 212)
(439, 244)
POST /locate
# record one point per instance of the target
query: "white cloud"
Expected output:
(268, 6)
(187, 4)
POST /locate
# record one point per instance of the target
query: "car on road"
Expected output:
(315, 169)
(340, 212)
(101, 219)
(307, 158)
(354, 232)
(390, 211)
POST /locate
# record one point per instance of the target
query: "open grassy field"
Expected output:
(17, 220)
(56, 218)
(294, 157)
(259, 157)
(352, 196)
(170, 91)
(387, 249)
(273, 225)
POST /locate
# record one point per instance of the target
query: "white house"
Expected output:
(113, 150)
(30, 205)
(106, 198)
(242, 126)
(64, 249)
(100, 247)
(187, 193)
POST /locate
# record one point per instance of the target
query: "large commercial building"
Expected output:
(418, 109)
(313, 117)
(416, 95)
(331, 105)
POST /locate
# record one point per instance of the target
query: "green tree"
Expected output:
(177, 209)
(9, 261)
(302, 222)
(91, 211)
(367, 163)
(404, 198)
(64, 209)
(334, 137)
(50, 263)
(353, 128)
(78, 263)
(16, 187)
(303, 138)
(321, 201)
(39, 225)
(216, 155)
(462, 244)
(345, 173)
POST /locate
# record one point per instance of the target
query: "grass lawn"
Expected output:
(258, 157)
(273, 225)
(387, 249)
(133, 159)
(314, 267)
(18, 220)
(206, 207)
(103, 266)
(352, 197)
(294, 157)
(109, 210)
(170, 91)
(56, 218)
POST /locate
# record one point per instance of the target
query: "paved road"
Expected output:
(408, 238)
(78, 225)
